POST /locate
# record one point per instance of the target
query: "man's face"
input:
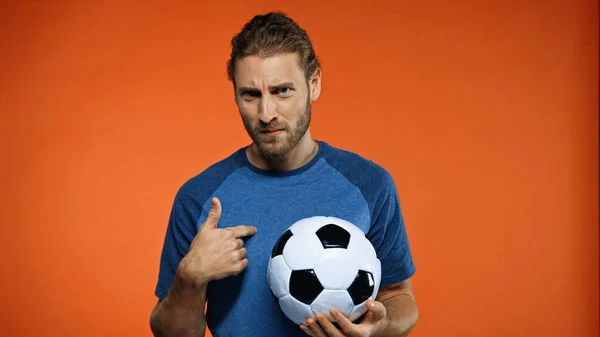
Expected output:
(274, 100)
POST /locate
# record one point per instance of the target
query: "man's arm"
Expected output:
(401, 307)
(181, 312)
(214, 253)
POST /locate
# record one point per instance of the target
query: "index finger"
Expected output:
(242, 230)
(344, 323)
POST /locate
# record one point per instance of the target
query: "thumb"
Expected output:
(376, 310)
(214, 214)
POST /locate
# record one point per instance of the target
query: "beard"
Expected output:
(274, 148)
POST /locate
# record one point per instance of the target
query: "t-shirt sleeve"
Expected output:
(181, 230)
(389, 237)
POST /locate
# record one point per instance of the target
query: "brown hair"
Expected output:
(270, 34)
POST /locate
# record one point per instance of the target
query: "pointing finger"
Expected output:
(243, 230)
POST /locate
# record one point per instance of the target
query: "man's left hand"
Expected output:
(373, 322)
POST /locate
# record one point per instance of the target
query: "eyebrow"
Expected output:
(273, 87)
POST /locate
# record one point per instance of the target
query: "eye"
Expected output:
(285, 91)
(248, 94)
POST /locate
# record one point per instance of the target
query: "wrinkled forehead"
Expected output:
(258, 72)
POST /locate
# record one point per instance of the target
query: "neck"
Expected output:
(304, 151)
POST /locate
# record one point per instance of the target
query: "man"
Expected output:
(225, 221)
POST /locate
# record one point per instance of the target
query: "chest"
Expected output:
(273, 209)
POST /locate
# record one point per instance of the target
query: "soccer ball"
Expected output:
(320, 263)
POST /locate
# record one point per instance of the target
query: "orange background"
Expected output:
(486, 114)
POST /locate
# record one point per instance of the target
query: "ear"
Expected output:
(315, 85)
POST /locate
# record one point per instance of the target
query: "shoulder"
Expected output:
(369, 176)
(205, 183)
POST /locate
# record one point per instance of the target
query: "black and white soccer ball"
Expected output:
(320, 263)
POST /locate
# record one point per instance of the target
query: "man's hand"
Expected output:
(215, 253)
(373, 322)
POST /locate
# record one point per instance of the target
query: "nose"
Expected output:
(267, 110)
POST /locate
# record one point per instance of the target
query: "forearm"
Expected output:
(181, 312)
(402, 315)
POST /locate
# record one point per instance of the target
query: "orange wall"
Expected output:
(486, 114)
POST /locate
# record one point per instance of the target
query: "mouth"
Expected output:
(271, 133)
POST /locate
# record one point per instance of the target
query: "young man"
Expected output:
(225, 221)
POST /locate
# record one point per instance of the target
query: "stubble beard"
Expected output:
(278, 147)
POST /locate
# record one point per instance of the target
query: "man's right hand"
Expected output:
(215, 253)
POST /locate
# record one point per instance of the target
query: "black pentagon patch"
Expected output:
(283, 239)
(333, 236)
(305, 286)
(362, 287)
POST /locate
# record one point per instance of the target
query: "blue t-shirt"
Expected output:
(334, 183)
